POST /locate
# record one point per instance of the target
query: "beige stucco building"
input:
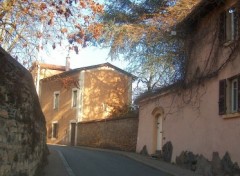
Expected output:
(201, 113)
(80, 95)
(43, 70)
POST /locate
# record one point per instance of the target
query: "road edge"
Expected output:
(66, 165)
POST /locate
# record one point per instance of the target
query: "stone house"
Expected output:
(80, 95)
(201, 113)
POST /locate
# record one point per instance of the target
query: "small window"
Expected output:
(229, 95)
(56, 100)
(229, 25)
(74, 97)
(54, 130)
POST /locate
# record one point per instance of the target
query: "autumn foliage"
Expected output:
(144, 34)
(27, 26)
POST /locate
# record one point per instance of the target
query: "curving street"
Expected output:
(84, 162)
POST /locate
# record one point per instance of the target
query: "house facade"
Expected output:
(42, 70)
(81, 95)
(201, 114)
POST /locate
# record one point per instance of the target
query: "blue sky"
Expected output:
(86, 57)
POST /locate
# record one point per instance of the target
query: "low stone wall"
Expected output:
(22, 124)
(119, 134)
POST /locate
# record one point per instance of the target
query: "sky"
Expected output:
(86, 57)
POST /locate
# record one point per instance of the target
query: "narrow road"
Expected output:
(83, 162)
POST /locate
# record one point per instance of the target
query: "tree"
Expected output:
(143, 32)
(154, 64)
(27, 26)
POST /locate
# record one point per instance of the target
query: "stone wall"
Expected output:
(119, 134)
(22, 124)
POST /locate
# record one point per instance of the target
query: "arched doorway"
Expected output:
(158, 128)
(159, 132)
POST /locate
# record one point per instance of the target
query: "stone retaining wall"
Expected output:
(120, 134)
(22, 124)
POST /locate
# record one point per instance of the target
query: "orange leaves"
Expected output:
(50, 22)
(79, 41)
(83, 4)
(96, 30)
(97, 8)
(42, 18)
(26, 10)
(51, 14)
(42, 6)
(64, 30)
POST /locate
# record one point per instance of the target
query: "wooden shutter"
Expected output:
(236, 22)
(57, 126)
(222, 97)
(238, 79)
(222, 27)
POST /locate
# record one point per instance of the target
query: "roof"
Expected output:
(70, 72)
(160, 91)
(199, 11)
(48, 66)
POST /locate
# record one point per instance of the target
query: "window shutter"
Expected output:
(237, 22)
(222, 97)
(57, 130)
(222, 27)
(238, 94)
(50, 131)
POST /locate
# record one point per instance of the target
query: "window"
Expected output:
(56, 100)
(74, 97)
(229, 25)
(229, 95)
(54, 130)
(234, 97)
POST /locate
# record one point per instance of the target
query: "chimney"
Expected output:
(67, 67)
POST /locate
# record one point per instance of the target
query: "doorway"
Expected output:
(159, 132)
(72, 133)
(158, 115)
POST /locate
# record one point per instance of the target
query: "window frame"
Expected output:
(55, 127)
(56, 105)
(75, 100)
(229, 97)
(229, 25)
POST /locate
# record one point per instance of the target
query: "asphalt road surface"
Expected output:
(83, 162)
